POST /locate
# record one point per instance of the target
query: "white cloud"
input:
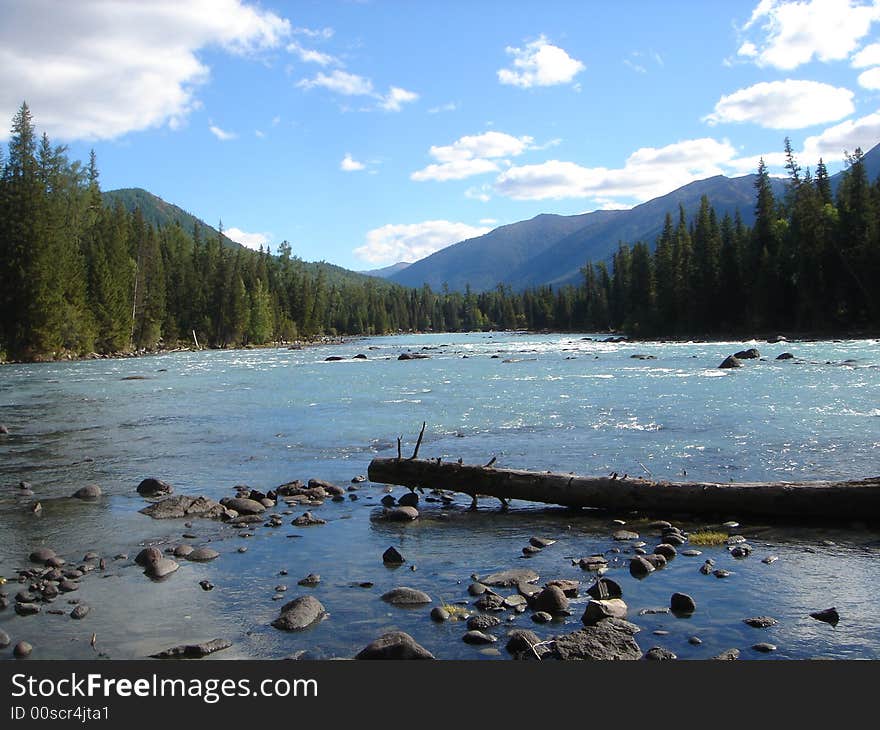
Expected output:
(488, 221)
(221, 134)
(317, 33)
(796, 32)
(868, 56)
(483, 193)
(472, 155)
(539, 64)
(340, 82)
(774, 161)
(349, 164)
(309, 55)
(413, 241)
(638, 68)
(448, 107)
(647, 173)
(259, 133)
(788, 104)
(249, 240)
(455, 170)
(88, 73)
(846, 136)
(396, 98)
(870, 79)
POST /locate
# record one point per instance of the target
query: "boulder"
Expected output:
(392, 557)
(404, 596)
(394, 645)
(402, 514)
(511, 577)
(22, 649)
(659, 654)
(666, 550)
(185, 506)
(299, 614)
(599, 609)
(639, 567)
(161, 568)
(750, 354)
(593, 562)
(828, 615)
(90, 491)
(41, 555)
(151, 487)
(609, 639)
(410, 499)
(203, 555)
(605, 588)
(148, 555)
(785, 356)
(482, 622)
(551, 599)
(244, 505)
(730, 362)
(439, 614)
(80, 611)
(682, 603)
(521, 641)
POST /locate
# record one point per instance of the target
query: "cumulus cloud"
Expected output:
(794, 33)
(831, 144)
(221, 134)
(789, 104)
(310, 55)
(539, 63)
(647, 173)
(472, 155)
(868, 56)
(92, 74)
(396, 98)
(339, 82)
(349, 164)
(870, 79)
(413, 241)
(249, 240)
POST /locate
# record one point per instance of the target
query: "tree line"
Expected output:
(78, 276)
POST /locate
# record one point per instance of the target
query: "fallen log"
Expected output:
(851, 500)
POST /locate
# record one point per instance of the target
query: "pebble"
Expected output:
(22, 649)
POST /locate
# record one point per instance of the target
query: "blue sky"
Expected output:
(370, 132)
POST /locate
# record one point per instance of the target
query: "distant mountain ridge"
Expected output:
(551, 249)
(386, 271)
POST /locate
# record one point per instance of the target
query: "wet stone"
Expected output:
(828, 615)
(482, 622)
(404, 596)
(80, 611)
(22, 649)
(721, 573)
(439, 614)
(760, 622)
(476, 589)
(691, 553)
(541, 617)
(478, 637)
(206, 585)
(764, 647)
(392, 557)
(541, 542)
(625, 535)
(312, 579)
(658, 653)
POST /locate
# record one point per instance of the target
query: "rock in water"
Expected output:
(161, 568)
(402, 514)
(599, 610)
(482, 621)
(392, 557)
(80, 611)
(521, 641)
(203, 555)
(151, 487)
(410, 499)
(609, 639)
(22, 649)
(41, 555)
(193, 651)
(439, 614)
(148, 555)
(605, 588)
(478, 637)
(90, 491)
(243, 505)
(311, 580)
(730, 362)
(185, 506)
(404, 596)
(750, 354)
(728, 655)
(658, 653)
(829, 616)
(510, 577)
(551, 599)
(682, 603)
(394, 645)
(760, 622)
(639, 567)
(4, 639)
(299, 614)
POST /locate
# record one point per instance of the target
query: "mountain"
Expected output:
(551, 249)
(387, 271)
(158, 212)
(161, 214)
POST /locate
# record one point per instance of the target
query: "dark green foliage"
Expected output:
(79, 275)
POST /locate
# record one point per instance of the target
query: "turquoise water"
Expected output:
(208, 421)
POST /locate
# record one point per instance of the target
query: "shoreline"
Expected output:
(617, 337)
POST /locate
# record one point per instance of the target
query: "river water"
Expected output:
(207, 421)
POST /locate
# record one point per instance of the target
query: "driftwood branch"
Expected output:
(852, 500)
(419, 442)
